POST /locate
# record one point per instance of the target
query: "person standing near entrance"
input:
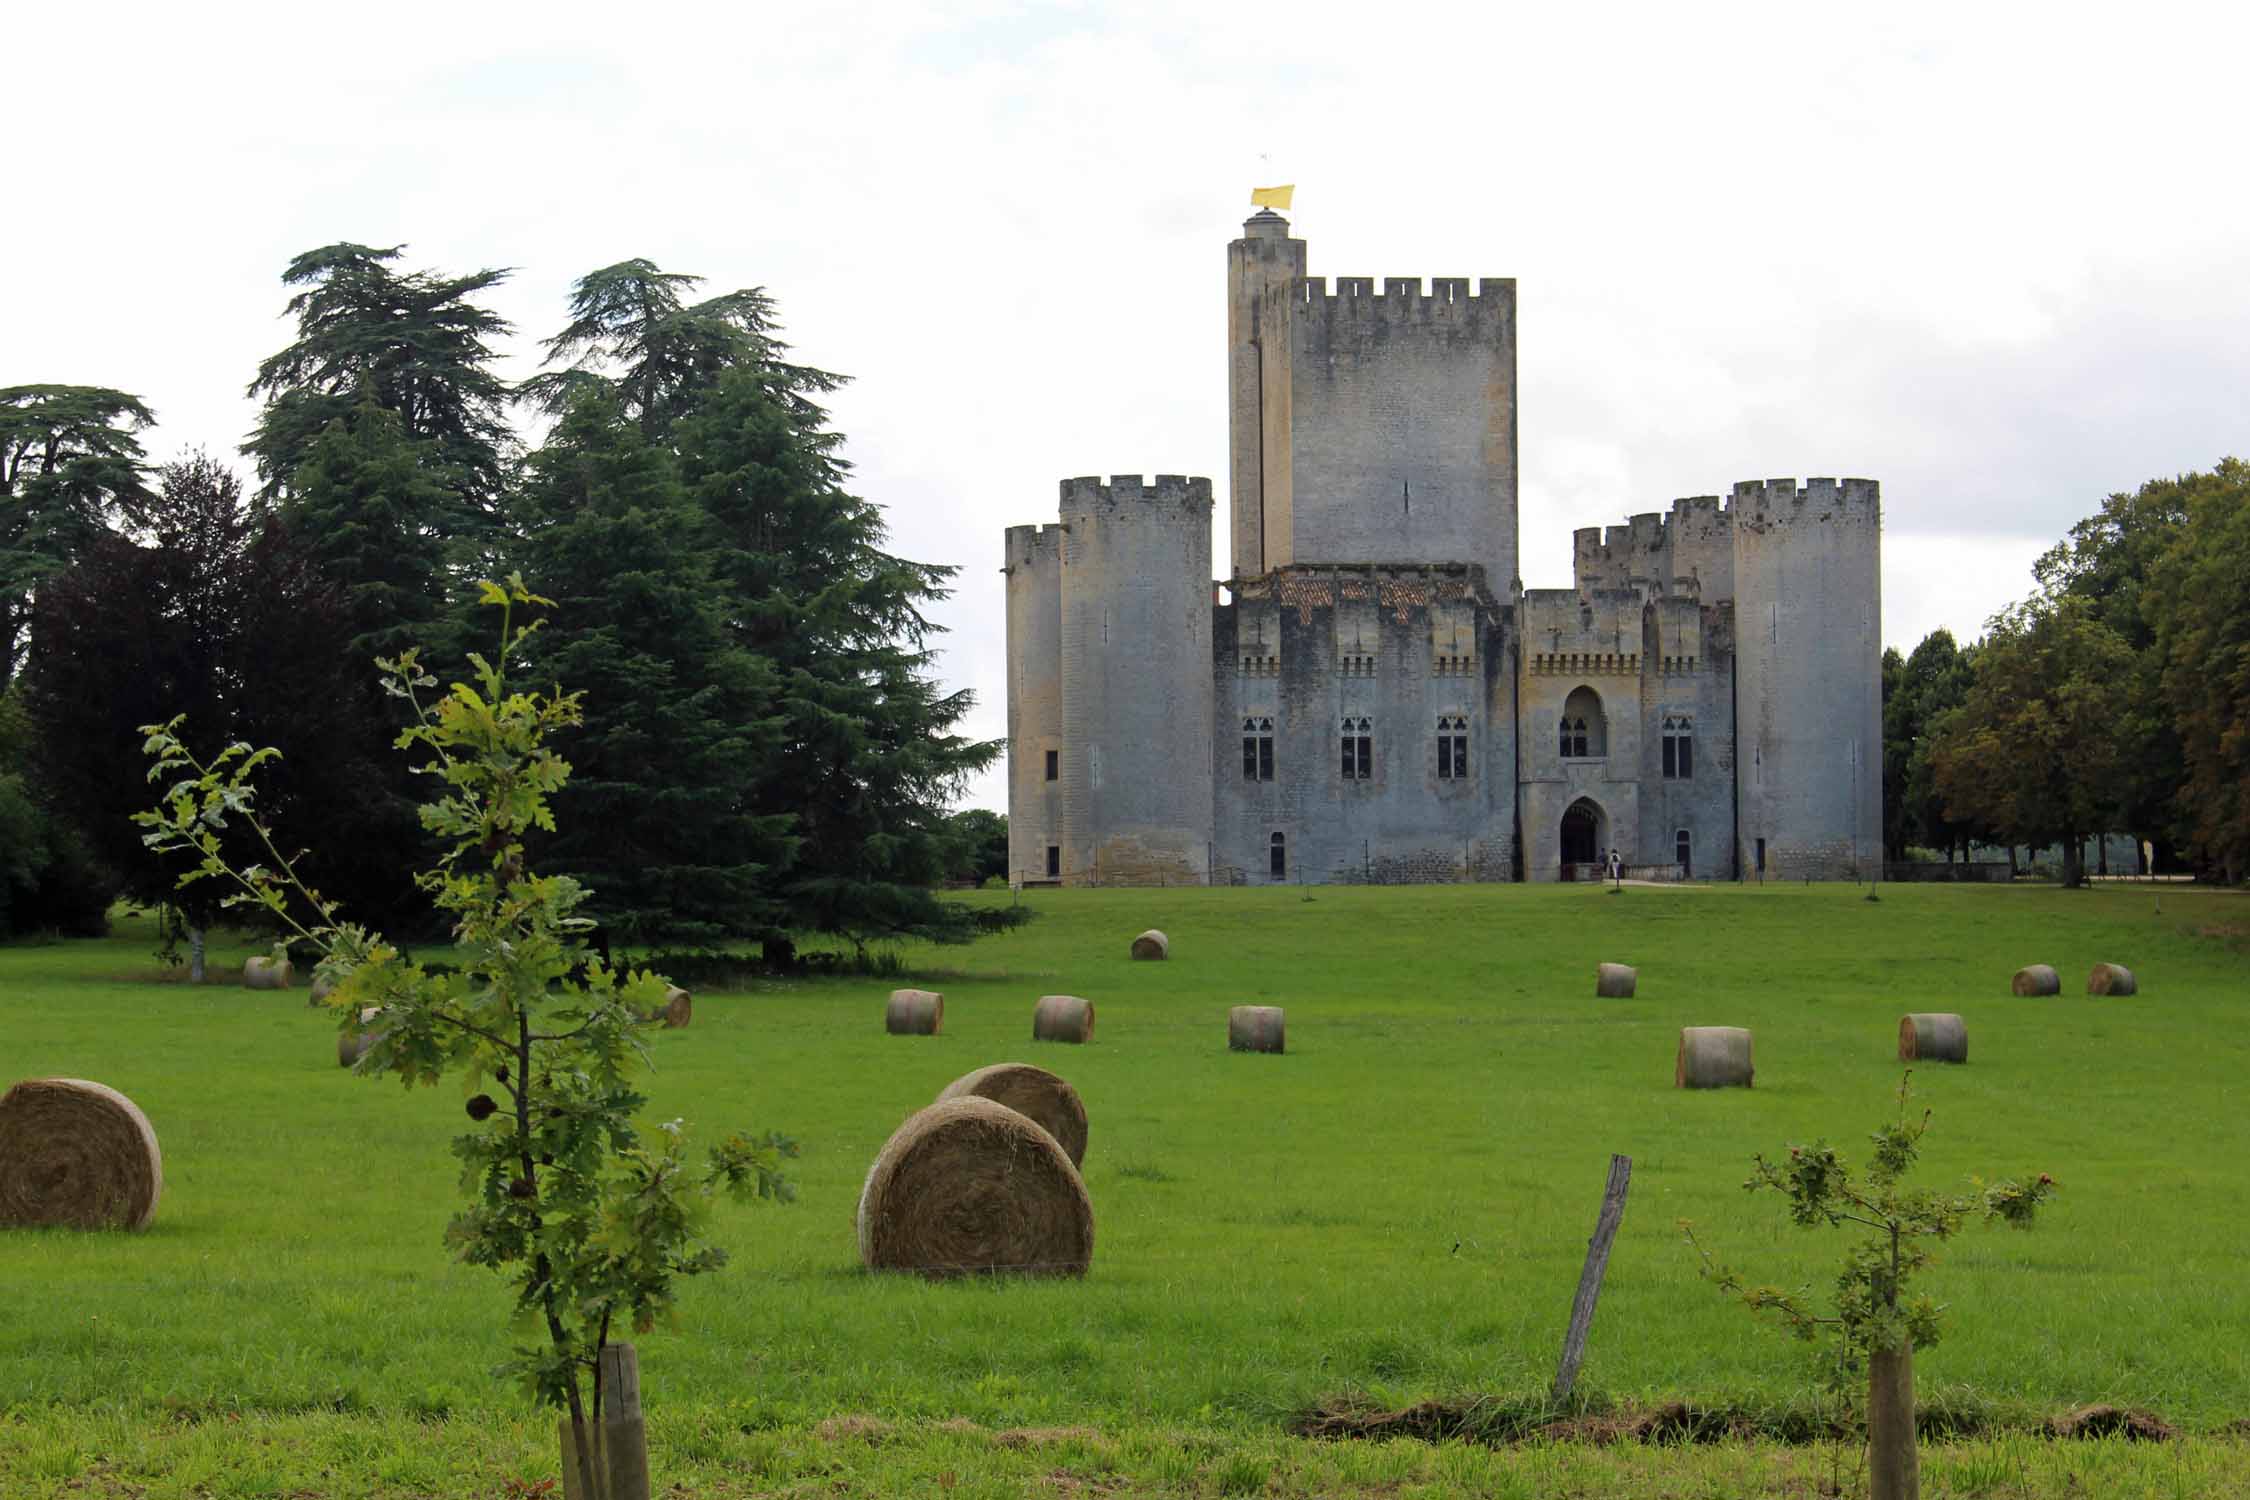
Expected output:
(1616, 866)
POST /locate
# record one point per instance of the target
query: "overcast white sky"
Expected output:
(1993, 256)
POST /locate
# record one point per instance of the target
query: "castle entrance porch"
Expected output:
(1584, 838)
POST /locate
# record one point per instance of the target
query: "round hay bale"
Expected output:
(352, 1045)
(678, 1008)
(2036, 979)
(1255, 1028)
(1615, 981)
(1713, 1057)
(1932, 1036)
(76, 1155)
(267, 973)
(1062, 1018)
(2111, 979)
(914, 1013)
(969, 1186)
(322, 988)
(1036, 1094)
(1152, 944)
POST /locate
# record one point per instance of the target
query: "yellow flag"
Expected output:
(1273, 197)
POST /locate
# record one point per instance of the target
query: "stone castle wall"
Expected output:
(1304, 649)
(1373, 536)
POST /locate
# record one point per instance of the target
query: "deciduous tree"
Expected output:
(2199, 601)
(224, 617)
(2039, 748)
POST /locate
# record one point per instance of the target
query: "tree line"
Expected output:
(2116, 698)
(765, 749)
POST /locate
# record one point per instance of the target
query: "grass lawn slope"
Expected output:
(1395, 1210)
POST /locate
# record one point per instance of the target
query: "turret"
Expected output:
(1035, 701)
(1135, 617)
(1808, 644)
(1264, 268)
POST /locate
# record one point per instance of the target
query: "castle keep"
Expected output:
(1372, 694)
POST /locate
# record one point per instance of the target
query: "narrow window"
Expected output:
(1257, 749)
(1359, 749)
(1680, 850)
(1761, 856)
(1277, 858)
(1054, 764)
(1679, 749)
(1584, 730)
(1452, 747)
(1054, 860)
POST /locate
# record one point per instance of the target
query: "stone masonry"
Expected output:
(1372, 695)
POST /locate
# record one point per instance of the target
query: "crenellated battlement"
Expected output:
(1126, 493)
(1446, 297)
(1778, 502)
(1586, 630)
(1033, 546)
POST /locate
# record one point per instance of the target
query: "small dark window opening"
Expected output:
(1761, 856)
(1359, 749)
(1453, 748)
(1257, 749)
(1054, 764)
(1054, 861)
(1680, 849)
(1277, 858)
(1679, 749)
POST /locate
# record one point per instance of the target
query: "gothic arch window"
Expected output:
(1359, 749)
(1452, 747)
(1277, 857)
(1257, 748)
(1585, 729)
(1679, 747)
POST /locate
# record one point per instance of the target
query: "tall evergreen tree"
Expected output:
(415, 343)
(856, 744)
(660, 817)
(633, 332)
(70, 467)
(373, 515)
(868, 758)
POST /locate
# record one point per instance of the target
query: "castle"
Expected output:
(1378, 697)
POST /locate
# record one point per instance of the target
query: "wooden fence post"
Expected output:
(1590, 1280)
(624, 1432)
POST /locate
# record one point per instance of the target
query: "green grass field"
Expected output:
(1395, 1210)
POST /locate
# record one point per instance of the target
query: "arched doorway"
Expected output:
(1582, 826)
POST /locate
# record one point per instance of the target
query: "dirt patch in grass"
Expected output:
(1485, 1420)
(2111, 1421)
(1041, 1437)
(853, 1428)
(1497, 1421)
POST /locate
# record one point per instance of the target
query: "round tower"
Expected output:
(1808, 685)
(1035, 717)
(1135, 759)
